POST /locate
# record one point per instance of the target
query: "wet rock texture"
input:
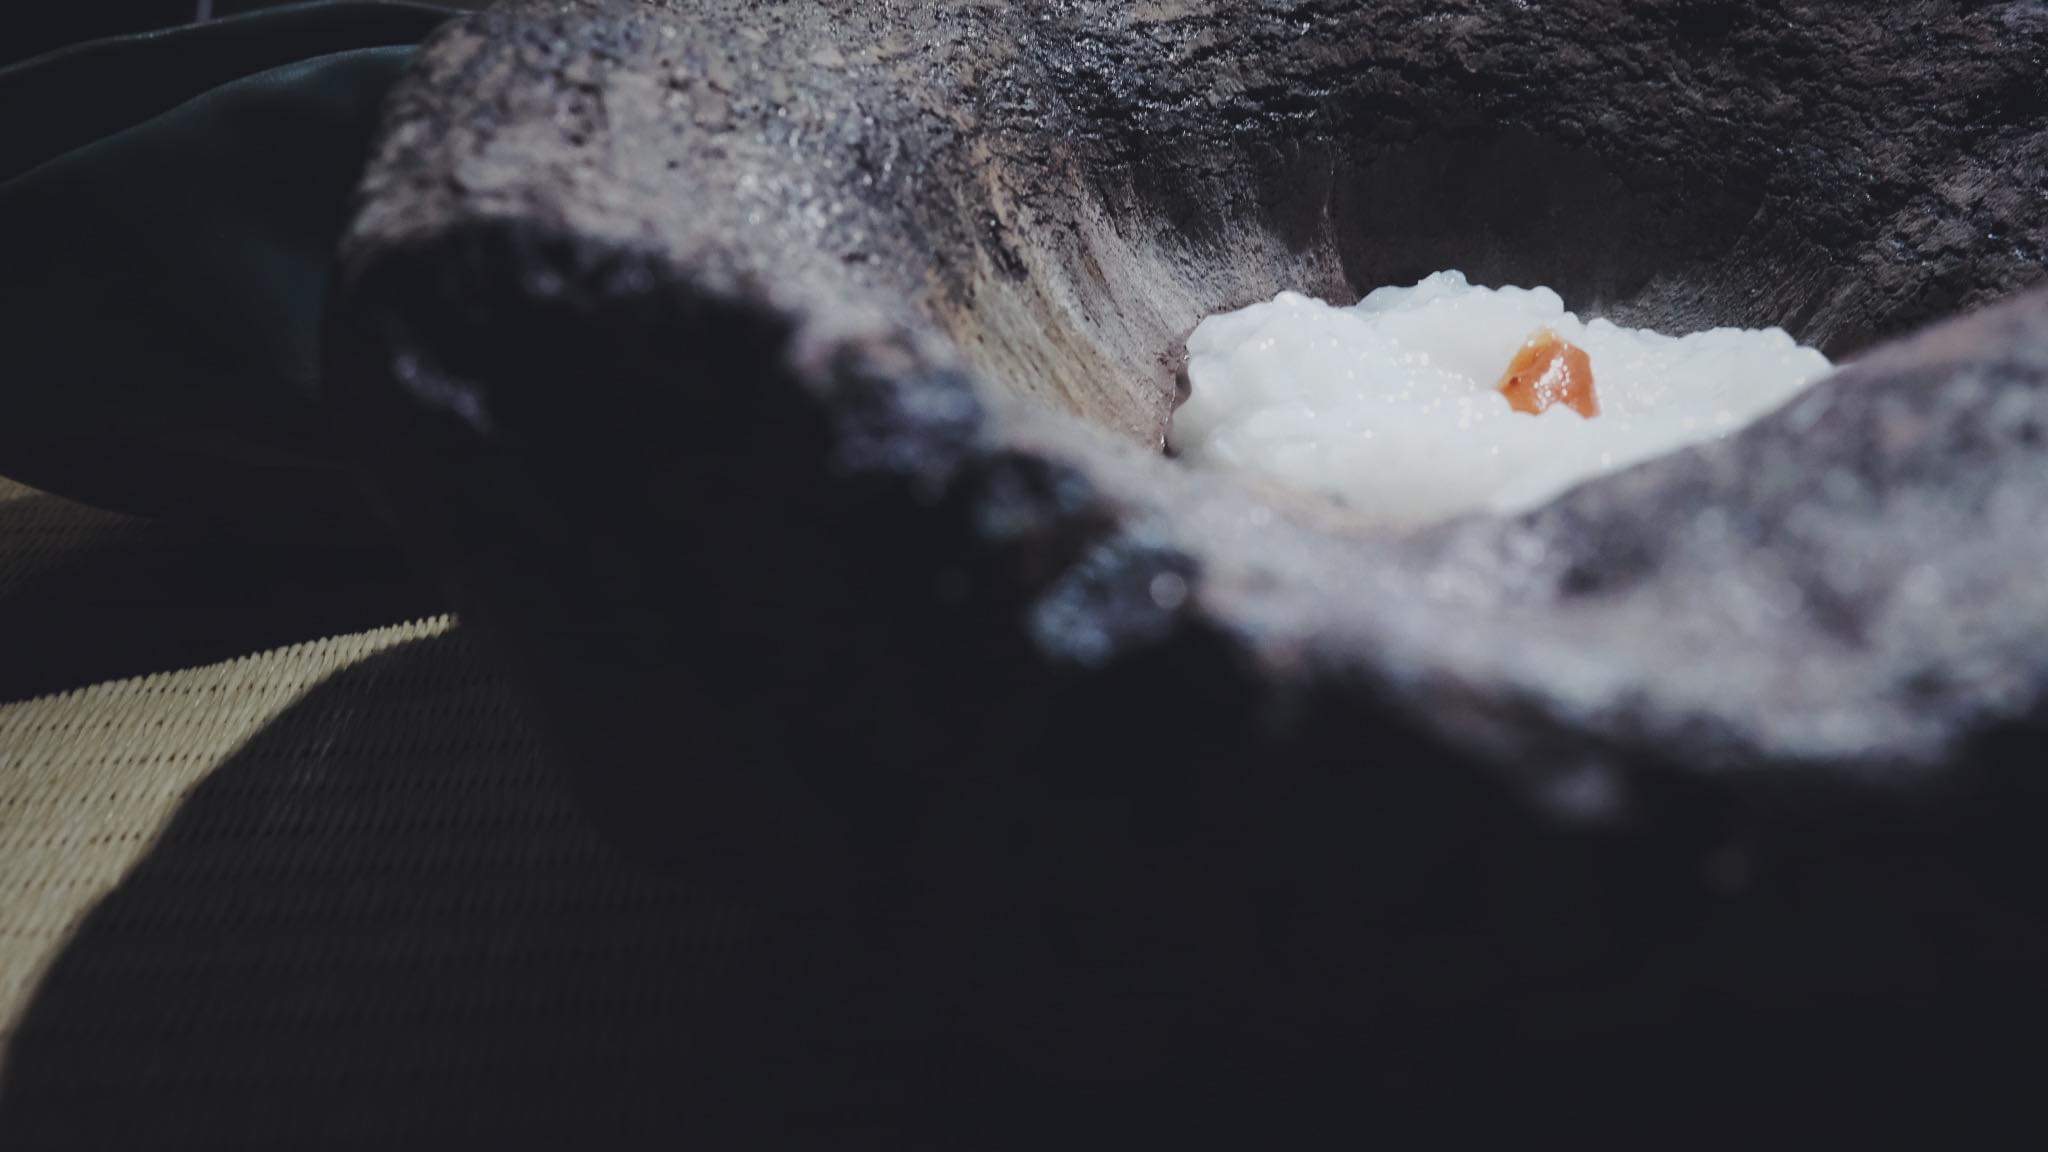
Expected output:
(781, 387)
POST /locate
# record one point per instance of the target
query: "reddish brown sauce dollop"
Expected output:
(1550, 370)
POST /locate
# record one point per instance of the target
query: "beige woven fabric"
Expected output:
(90, 776)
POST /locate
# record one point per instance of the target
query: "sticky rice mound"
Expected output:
(1399, 405)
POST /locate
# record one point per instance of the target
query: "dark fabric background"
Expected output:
(31, 29)
(169, 206)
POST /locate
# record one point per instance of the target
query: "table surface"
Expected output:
(314, 886)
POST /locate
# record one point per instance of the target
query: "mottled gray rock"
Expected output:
(794, 375)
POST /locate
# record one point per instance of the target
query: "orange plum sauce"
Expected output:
(1549, 370)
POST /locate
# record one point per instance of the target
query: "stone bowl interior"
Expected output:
(1679, 167)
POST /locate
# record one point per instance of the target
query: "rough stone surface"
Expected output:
(799, 370)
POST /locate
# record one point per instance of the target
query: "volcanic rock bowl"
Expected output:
(783, 387)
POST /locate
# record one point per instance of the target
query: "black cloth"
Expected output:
(31, 29)
(169, 208)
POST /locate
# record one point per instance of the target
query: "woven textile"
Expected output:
(327, 894)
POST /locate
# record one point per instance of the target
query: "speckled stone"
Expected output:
(797, 373)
